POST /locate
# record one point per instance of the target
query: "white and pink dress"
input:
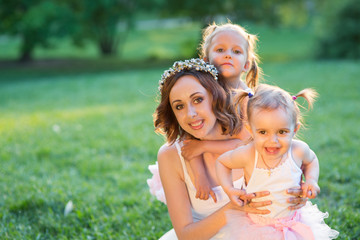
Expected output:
(306, 223)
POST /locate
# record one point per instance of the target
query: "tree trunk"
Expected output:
(106, 47)
(27, 48)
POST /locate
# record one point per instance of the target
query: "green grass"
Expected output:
(89, 138)
(80, 129)
(96, 159)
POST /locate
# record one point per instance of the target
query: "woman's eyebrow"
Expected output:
(177, 100)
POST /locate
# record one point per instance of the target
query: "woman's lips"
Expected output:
(197, 124)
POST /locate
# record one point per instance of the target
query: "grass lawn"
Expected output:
(87, 137)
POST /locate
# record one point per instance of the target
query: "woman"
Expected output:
(194, 104)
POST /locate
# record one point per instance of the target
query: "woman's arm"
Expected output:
(178, 201)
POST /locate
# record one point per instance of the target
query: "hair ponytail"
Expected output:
(240, 100)
(255, 72)
(309, 95)
(271, 97)
(252, 78)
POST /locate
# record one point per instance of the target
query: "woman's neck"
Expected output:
(217, 134)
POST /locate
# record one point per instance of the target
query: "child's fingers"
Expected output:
(237, 201)
(198, 194)
(202, 194)
(212, 194)
(305, 190)
(239, 192)
(205, 195)
(312, 193)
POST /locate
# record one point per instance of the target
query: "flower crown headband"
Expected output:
(194, 63)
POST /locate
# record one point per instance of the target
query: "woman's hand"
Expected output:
(250, 206)
(297, 200)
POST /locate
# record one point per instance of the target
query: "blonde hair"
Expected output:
(269, 97)
(255, 72)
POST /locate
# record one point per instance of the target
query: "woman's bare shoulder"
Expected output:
(167, 151)
(169, 161)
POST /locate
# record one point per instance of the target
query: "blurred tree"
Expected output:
(272, 12)
(105, 22)
(201, 10)
(339, 35)
(35, 22)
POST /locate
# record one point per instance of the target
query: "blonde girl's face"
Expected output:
(192, 106)
(272, 131)
(228, 52)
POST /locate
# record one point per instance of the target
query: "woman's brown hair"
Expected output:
(165, 121)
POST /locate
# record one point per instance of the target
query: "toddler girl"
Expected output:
(273, 161)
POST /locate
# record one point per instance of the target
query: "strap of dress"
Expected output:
(256, 159)
(186, 174)
(291, 159)
(255, 163)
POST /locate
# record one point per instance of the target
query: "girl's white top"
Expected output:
(286, 175)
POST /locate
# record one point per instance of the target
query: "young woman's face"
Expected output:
(228, 52)
(192, 106)
(272, 131)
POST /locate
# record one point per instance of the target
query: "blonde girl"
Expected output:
(232, 50)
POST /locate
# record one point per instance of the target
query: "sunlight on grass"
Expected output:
(89, 139)
(40, 119)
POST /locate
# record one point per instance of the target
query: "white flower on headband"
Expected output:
(194, 63)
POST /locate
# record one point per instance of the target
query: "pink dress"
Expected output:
(281, 223)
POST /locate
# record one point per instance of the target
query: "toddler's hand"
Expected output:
(237, 196)
(191, 149)
(203, 188)
(310, 189)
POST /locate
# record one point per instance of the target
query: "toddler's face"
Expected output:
(228, 52)
(272, 131)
